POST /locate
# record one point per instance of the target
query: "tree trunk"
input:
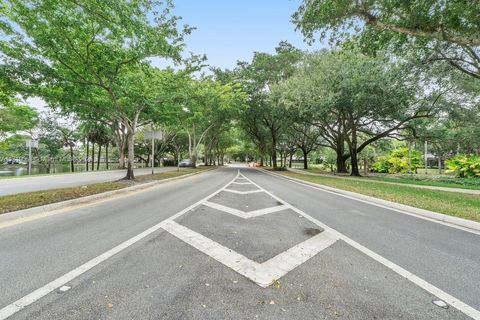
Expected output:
(305, 159)
(290, 160)
(193, 158)
(72, 167)
(93, 155)
(87, 160)
(106, 155)
(341, 159)
(341, 164)
(99, 155)
(274, 151)
(131, 155)
(354, 163)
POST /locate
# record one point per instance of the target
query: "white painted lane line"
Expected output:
(451, 300)
(241, 183)
(243, 214)
(230, 258)
(263, 274)
(278, 266)
(261, 212)
(233, 211)
(242, 192)
(30, 298)
(332, 191)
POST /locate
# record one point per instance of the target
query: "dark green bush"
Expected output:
(169, 163)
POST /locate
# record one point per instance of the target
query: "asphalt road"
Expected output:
(44, 182)
(259, 248)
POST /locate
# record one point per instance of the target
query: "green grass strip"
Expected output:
(460, 205)
(27, 200)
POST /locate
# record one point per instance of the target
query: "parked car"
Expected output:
(186, 163)
(13, 161)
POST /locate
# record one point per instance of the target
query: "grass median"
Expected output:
(460, 205)
(417, 179)
(20, 201)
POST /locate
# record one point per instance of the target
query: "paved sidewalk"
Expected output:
(66, 180)
(459, 190)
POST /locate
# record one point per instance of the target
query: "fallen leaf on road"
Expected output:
(276, 284)
(110, 305)
(272, 302)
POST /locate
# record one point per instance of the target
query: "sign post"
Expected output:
(30, 144)
(153, 135)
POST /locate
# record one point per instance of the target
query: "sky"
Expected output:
(231, 30)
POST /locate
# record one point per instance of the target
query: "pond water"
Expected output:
(22, 169)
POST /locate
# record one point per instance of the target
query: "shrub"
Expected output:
(280, 169)
(397, 161)
(464, 166)
(169, 162)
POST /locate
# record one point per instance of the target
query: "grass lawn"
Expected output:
(418, 179)
(462, 183)
(26, 200)
(460, 205)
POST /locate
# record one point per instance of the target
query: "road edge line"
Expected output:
(450, 221)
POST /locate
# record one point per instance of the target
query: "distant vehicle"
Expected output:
(186, 163)
(13, 161)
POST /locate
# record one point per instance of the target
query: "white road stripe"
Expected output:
(325, 189)
(243, 214)
(30, 298)
(263, 274)
(241, 183)
(220, 207)
(242, 192)
(451, 300)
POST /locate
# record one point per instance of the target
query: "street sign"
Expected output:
(158, 135)
(31, 143)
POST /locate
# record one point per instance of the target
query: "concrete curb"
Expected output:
(9, 217)
(465, 224)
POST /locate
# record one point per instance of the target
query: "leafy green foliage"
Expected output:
(16, 117)
(398, 161)
(464, 166)
(433, 30)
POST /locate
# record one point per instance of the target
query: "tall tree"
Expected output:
(356, 100)
(435, 30)
(264, 118)
(50, 44)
